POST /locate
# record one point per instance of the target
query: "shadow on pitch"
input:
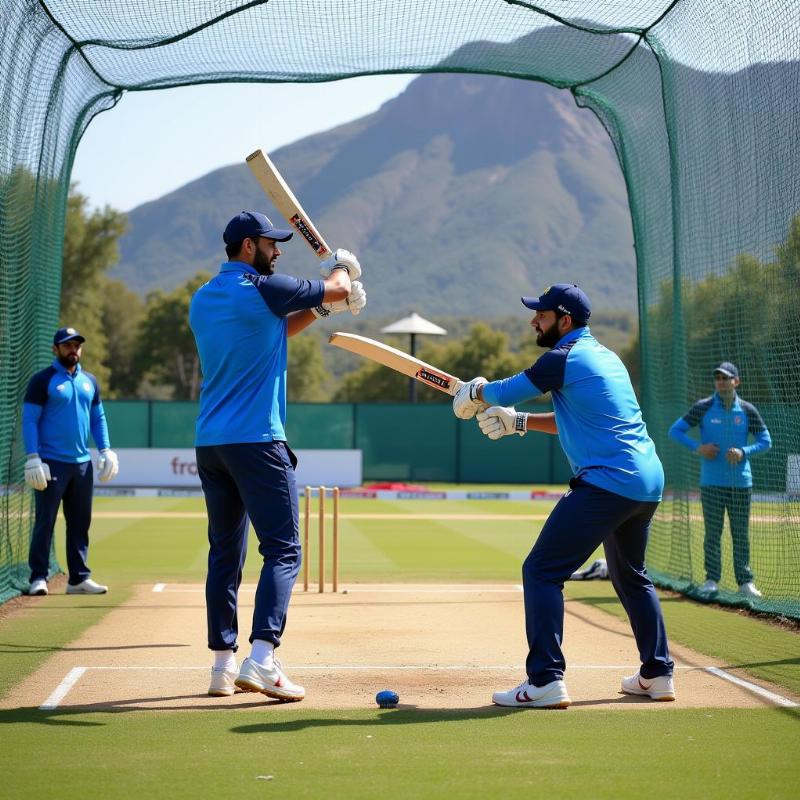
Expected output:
(18, 647)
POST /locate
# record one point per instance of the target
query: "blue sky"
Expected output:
(154, 142)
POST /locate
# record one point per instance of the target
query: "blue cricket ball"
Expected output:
(387, 698)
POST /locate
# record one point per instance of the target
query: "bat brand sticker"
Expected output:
(302, 228)
(432, 378)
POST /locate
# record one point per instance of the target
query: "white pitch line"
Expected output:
(778, 699)
(159, 587)
(373, 667)
(73, 676)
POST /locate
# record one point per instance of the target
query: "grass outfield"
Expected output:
(401, 753)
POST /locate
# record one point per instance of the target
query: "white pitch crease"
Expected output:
(61, 691)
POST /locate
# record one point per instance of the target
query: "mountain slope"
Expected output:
(458, 196)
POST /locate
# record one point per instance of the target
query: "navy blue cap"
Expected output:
(567, 298)
(67, 335)
(726, 368)
(251, 223)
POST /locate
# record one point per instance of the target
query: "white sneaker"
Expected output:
(749, 590)
(38, 587)
(222, 682)
(709, 587)
(87, 587)
(271, 681)
(551, 695)
(655, 688)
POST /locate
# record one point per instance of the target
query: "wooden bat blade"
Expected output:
(397, 360)
(276, 188)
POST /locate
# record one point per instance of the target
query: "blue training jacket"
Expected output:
(600, 424)
(59, 410)
(239, 324)
(726, 428)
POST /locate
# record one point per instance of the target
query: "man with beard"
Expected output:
(615, 490)
(62, 405)
(726, 481)
(241, 320)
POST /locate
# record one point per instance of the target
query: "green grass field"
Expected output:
(298, 752)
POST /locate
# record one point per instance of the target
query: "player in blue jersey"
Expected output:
(615, 490)
(726, 422)
(241, 320)
(62, 406)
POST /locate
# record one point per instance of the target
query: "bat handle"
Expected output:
(456, 388)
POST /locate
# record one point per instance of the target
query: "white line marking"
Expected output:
(372, 667)
(73, 676)
(778, 699)
(159, 587)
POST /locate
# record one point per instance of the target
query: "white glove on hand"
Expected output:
(37, 473)
(499, 421)
(107, 465)
(357, 298)
(342, 259)
(466, 403)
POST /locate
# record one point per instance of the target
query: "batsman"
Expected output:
(615, 490)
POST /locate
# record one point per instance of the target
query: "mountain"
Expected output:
(458, 196)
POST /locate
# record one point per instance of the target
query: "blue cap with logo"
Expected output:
(568, 298)
(727, 369)
(67, 335)
(250, 224)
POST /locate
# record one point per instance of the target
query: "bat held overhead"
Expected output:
(397, 360)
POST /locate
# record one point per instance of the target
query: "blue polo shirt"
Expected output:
(239, 324)
(726, 428)
(59, 411)
(600, 424)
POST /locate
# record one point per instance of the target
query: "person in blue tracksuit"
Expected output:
(241, 320)
(62, 406)
(615, 490)
(726, 423)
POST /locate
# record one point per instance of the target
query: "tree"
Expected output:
(90, 249)
(167, 354)
(121, 314)
(307, 377)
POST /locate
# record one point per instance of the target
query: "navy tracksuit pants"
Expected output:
(245, 483)
(72, 485)
(583, 519)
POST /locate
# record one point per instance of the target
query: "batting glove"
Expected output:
(341, 259)
(107, 465)
(357, 298)
(37, 473)
(499, 421)
(466, 403)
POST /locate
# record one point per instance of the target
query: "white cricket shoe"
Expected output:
(526, 695)
(709, 587)
(38, 587)
(749, 590)
(222, 682)
(655, 688)
(271, 681)
(87, 587)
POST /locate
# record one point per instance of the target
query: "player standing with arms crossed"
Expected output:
(617, 485)
(241, 320)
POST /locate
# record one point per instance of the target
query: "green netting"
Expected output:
(699, 97)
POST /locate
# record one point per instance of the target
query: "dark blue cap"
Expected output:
(726, 368)
(567, 298)
(67, 335)
(251, 223)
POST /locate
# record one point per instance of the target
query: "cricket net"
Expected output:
(700, 99)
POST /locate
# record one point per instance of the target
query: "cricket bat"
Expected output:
(283, 199)
(398, 361)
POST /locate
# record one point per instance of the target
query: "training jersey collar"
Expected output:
(734, 405)
(59, 367)
(574, 334)
(238, 266)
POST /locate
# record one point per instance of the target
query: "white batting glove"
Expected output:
(499, 421)
(37, 473)
(326, 309)
(107, 465)
(357, 298)
(341, 259)
(466, 403)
